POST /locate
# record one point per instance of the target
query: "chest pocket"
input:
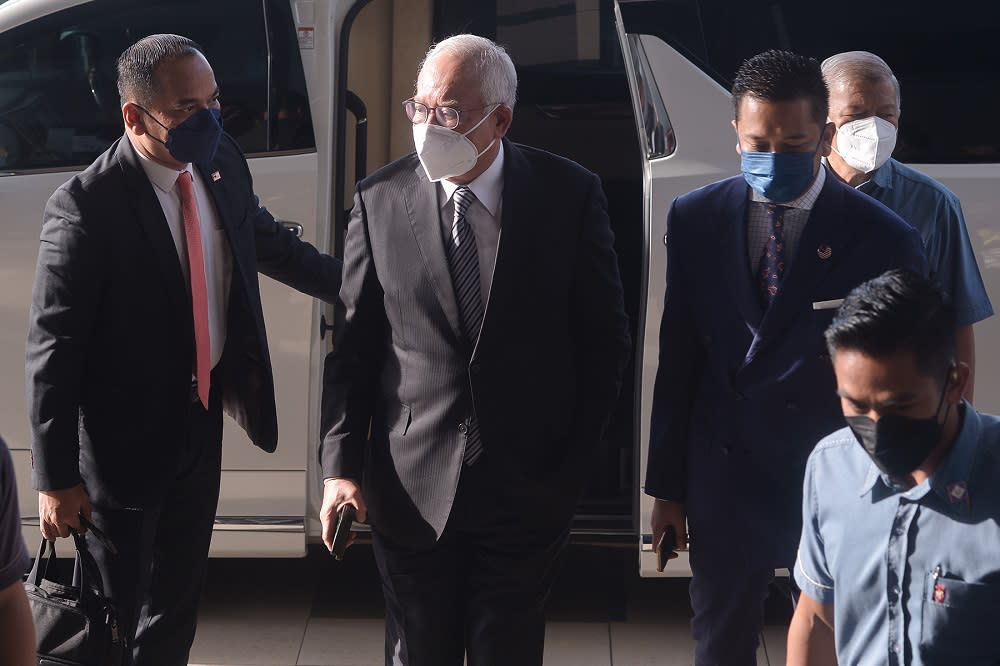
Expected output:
(959, 621)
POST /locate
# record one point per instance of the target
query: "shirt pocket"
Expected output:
(960, 621)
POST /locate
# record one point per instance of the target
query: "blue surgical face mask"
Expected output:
(779, 176)
(196, 139)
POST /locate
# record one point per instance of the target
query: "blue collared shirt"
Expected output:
(936, 213)
(913, 574)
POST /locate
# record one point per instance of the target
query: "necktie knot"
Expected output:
(463, 198)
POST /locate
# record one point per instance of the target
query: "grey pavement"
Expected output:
(315, 611)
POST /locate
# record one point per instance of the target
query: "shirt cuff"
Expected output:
(812, 586)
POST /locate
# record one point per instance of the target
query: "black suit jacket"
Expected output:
(111, 344)
(542, 380)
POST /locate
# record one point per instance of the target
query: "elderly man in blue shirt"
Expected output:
(865, 108)
(899, 561)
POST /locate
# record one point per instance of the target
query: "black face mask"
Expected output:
(899, 444)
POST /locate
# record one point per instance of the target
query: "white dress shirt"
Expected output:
(218, 257)
(483, 217)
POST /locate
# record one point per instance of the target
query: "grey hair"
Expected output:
(137, 65)
(493, 66)
(862, 65)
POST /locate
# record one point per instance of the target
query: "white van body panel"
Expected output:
(265, 498)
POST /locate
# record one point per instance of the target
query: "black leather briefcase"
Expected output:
(75, 625)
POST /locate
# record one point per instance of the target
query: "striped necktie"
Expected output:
(463, 261)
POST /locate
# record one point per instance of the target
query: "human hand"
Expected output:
(668, 514)
(336, 493)
(59, 510)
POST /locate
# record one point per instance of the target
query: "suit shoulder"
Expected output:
(402, 168)
(709, 200)
(917, 182)
(102, 178)
(552, 164)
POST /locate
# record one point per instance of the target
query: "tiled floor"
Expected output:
(317, 612)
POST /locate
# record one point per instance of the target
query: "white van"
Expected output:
(311, 89)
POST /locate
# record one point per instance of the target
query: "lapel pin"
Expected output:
(824, 252)
(216, 176)
(958, 492)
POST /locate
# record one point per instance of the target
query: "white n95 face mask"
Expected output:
(445, 153)
(866, 144)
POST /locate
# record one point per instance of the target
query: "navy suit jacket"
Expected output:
(742, 396)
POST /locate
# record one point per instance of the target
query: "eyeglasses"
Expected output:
(446, 116)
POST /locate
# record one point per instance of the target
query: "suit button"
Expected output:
(462, 428)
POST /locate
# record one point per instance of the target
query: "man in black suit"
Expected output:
(481, 339)
(146, 324)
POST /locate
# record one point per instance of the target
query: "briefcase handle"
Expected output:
(86, 574)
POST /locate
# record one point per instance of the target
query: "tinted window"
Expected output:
(59, 104)
(943, 56)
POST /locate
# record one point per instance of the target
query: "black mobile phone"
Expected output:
(345, 519)
(666, 547)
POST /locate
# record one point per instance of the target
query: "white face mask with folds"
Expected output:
(866, 144)
(445, 153)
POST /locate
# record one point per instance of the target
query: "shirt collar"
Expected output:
(163, 177)
(950, 479)
(805, 200)
(488, 186)
(880, 178)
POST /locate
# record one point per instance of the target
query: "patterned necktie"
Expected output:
(463, 260)
(772, 261)
(199, 288)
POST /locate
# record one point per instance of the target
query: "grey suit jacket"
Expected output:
(542, 379)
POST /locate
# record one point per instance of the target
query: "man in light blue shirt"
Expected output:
(865, 108)
(899, 560)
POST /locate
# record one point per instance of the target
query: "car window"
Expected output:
(59, 104)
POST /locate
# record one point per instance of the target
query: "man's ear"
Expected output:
(132, 116)
(826, 143)
(739, 151)
(958, 380)
(504, 117)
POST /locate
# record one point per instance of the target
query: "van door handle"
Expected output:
(294, 227)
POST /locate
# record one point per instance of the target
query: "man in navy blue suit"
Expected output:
(756, 266)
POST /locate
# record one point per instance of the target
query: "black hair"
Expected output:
(899, 311)
(782, 76)
(137, 65)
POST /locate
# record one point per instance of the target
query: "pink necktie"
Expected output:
(199, 288)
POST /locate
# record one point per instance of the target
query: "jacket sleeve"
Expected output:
(352, 369)
(681, 357)
(282, 255)
(65, 300)
(598, 307)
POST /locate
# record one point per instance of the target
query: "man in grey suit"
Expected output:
(480, 343)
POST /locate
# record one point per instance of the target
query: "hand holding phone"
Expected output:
(665, 548)
(342, 535)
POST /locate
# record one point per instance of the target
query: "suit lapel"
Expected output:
(211, 176)
(517, 187)
(821, 247)
(425, 221)
(736, 258)
(154, 225)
